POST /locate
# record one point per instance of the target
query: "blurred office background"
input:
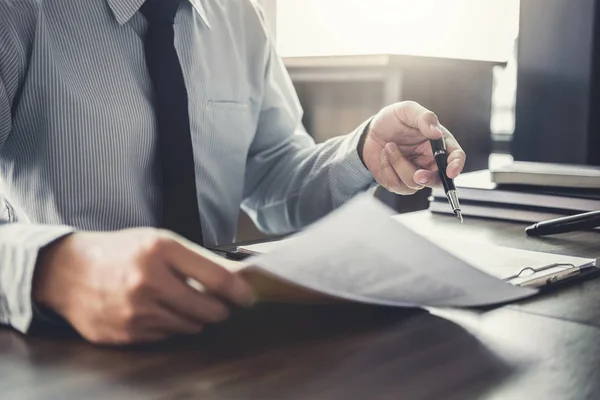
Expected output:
(349, 58)
(463, 29)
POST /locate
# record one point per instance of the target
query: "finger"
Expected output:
(122, 338)
(187, 302)
(214, 278)
(428, 178)
(390, 179)
(456, 155)
(403, 168)
(416, 116)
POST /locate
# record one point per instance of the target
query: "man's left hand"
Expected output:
(397, 149)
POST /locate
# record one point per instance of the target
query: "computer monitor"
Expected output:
(558, 86)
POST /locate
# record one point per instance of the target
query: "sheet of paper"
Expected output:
(479, 252)
(503, 262)
(500, 262)
(359, 253)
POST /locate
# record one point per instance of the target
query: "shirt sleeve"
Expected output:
(20, 242)
(19, 248)
(291, 181)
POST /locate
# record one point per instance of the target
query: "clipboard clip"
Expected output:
(543, 276)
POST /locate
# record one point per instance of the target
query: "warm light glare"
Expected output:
(473, 29)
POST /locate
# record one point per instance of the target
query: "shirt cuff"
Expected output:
(19, 249)
(353, 165)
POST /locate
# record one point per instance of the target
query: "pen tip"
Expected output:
(459, 216)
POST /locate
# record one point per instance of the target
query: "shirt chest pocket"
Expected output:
(226, 133)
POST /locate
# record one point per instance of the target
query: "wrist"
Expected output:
(44, 291)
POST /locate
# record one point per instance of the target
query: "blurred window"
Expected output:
(471, 29)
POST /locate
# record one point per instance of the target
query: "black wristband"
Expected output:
(361, 142)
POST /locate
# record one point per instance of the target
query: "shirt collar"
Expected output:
(123, 10)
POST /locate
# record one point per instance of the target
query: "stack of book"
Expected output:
(526, 192)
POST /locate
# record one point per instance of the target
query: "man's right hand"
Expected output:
(132, 286)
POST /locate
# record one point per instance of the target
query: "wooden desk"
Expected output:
(548, 347)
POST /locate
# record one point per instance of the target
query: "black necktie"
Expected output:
(180, 202)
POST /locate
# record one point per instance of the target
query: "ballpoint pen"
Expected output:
(441, 159)
(589, 220)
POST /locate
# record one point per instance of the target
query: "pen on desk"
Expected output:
(579, 222)
(441, 158)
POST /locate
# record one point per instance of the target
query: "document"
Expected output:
(359, 253)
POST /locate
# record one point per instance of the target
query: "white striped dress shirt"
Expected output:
(78, 131)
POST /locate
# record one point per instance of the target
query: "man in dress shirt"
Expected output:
(112, 110)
